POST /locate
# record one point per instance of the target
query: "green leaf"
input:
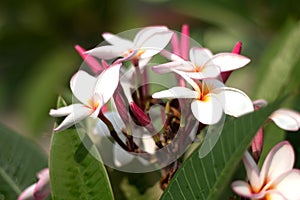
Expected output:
(74, 172)
(20, 160)
(278, 64)
(209, 177)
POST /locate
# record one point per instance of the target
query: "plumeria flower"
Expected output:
(40, 190)
(203, 64)
(92, 92)
(285, 119)
(277, 178)
(210, 99)
(147, 42)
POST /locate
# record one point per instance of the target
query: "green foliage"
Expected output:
(20, 160)
(209, 177)
(74, 172)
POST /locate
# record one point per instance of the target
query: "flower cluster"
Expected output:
(118, 74)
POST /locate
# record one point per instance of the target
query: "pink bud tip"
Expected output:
(237, 48)
(92, 62)
(139, 114)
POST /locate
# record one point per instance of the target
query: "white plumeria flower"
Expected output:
(285, 119)
(92, 92)
(203, 64)
(147, 42)
(211, 98)
(277, 178)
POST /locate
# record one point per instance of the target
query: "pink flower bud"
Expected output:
(139, 114)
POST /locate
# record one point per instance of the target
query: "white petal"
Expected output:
(176, 92)
(121, 157)
(107, 52)
(148, 144)
(76, 116)
(289, 184)
(211, 85)
(117, 41)
(209, 111)
(82, 85)
(107, 82)
(155, 43)
(243, 189)
(64, 111)
(229, 61)
(206, 72)
(188, 79)
(286, 119)
(274, 195)
(145, 33)
(199, 56)
(168, 67)
(252, 172)
(170, 56)
(279, 160)
(234, 101)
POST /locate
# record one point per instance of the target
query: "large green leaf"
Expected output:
(207, 178)
(74, 172)
(20, 160)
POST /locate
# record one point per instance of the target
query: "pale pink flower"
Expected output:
(277, 178)
(147, 42)
(286, 119)
(39, 190)
(210, 99)
(92, 92)
(203, 64)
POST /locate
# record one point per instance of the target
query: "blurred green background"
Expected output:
(37, 41)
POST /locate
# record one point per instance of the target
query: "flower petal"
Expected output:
(107, 52)
(82, 85)
(282, 153)
(64, 111)
(170, 56)
(234, 101)
(27, 194)
(199, 56)
(117, 41)
(209, 111)
(260, 103)
(168, 67)
(107, 82)
(155, 43)
(286, 119)
(148, 144)
(252, 170)
(76, 116)
(288, 184)
(206, 72)
(176, 92)
(242, 188)
(229, 61)
(42, 188)
(145, 33)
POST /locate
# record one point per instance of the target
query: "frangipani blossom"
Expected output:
(210, 99)
(286, 119)
(203, 64)
(92, 92)
(39, 190)
(277, 178)
(147, 42)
